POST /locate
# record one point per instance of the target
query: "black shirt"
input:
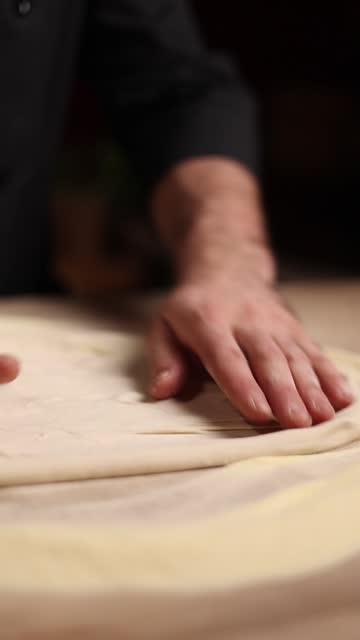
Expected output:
(166, 96)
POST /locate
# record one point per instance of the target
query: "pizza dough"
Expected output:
(79, 411)
(266, 547)
(285, 567)
(198, 554)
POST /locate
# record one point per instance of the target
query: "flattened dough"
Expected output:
(282, 568)
(194, 554)
(78, 411)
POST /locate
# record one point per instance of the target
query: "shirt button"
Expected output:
(24, 7)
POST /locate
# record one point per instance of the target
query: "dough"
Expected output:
(198, 554)
(79, 411)
(286, 567)
(266, 548)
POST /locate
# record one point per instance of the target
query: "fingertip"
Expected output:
(335, 386)
(296, 418)
(340, 397)
(343, 396)
(321, 411)
(166, 384)
(9, 368)
(260, 410)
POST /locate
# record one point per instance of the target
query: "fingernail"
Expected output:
(261, 407)
(321, 412)
(299, 416)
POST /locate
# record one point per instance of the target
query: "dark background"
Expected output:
(302, 62)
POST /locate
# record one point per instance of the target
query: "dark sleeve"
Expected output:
(167, 96)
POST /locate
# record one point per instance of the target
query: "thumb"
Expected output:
(167, 362)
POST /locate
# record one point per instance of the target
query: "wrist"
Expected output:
(202, 187)
(210, 217)
(202, 260)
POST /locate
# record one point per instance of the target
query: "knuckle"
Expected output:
(292, 358)
(297, 360)
(312, 349)
(194, 309)
(312, 388)
(267, 354)
(276, 380)
(233, 352)
(252, 312)
(199, 312)
(242, 387)
(263, 348)
(320, 361)
(204, 314)
(288, 390)
(230, 361)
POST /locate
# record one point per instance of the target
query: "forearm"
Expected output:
(209, 215)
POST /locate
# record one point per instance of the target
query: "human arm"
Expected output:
(225, 307)
(188, 124)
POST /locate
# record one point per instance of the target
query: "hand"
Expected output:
(9, 368)
(225, 309)
(252, 346)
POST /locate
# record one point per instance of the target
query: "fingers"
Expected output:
(302, 388)
(333, 383)
(308, 384)
(263, 376)
(9, 368)
(223, 359)
(272, 371)
(229, 368)
(167, 362)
